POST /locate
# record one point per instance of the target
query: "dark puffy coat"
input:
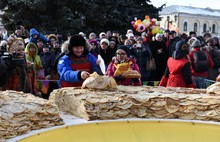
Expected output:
(141, 55)
(47, 60)
(160, 53)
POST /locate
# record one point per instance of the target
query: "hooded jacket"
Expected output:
(33, 31)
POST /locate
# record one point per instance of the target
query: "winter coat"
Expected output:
(177, 74)
(122, 81)
(66, 72)
(17, 79)
(215, 55)
(34, 64)
(160, 54)
(141, 56)
(47, 60)
(106, 55)
(33, 59)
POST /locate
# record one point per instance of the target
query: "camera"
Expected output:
(11, 59)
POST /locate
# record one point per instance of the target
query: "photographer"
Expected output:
(14, 61)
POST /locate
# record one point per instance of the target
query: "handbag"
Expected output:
(150, 65)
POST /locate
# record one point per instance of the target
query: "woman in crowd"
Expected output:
(16, 78)
(178, 71)
(214, 53)
(123, 56)
(76, 66)
(34, 65)
(160, 55)
(141, 54)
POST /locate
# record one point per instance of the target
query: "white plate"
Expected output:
(101, 64)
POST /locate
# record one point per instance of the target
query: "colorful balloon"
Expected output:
(140, 28)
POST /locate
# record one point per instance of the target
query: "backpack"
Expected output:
(201, 62)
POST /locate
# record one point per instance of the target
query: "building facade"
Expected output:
(184, 19)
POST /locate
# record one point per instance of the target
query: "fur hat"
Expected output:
(196, 43)
(52, 36)
(77, 40)
(125, 48)
(105, 40)
(102, 33)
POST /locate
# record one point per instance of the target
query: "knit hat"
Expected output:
(125, 48)
(172, 32)
(92, 34)
(47, 45)
(105, 40)
(182, 49)
(196, 43)
(159, 35)
(93, 41)
(139, 39)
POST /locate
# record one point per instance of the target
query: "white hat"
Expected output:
(102, 33)
(105, 40)
(81, 33)
(3, 43)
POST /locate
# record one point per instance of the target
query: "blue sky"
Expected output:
(214, 4)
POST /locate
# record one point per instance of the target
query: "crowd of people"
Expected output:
(35, 63)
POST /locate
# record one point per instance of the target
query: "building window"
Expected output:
(185, 26)
(195, 27)
(204, 28)
(213, 28)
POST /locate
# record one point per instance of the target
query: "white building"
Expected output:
(184, 19)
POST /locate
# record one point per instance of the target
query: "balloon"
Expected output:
(137, 22)
(132, 23)
(135, 18)
(146, 23)
(147, 17)
(140, 28)
(155, 30)
(161, 31)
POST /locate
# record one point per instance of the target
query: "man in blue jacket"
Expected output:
(76, 66)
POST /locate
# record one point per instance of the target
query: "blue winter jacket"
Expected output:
(67, 73)
(33, 31)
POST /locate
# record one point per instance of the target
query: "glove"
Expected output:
(119, 78)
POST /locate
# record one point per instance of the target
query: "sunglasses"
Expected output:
(120, 53)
